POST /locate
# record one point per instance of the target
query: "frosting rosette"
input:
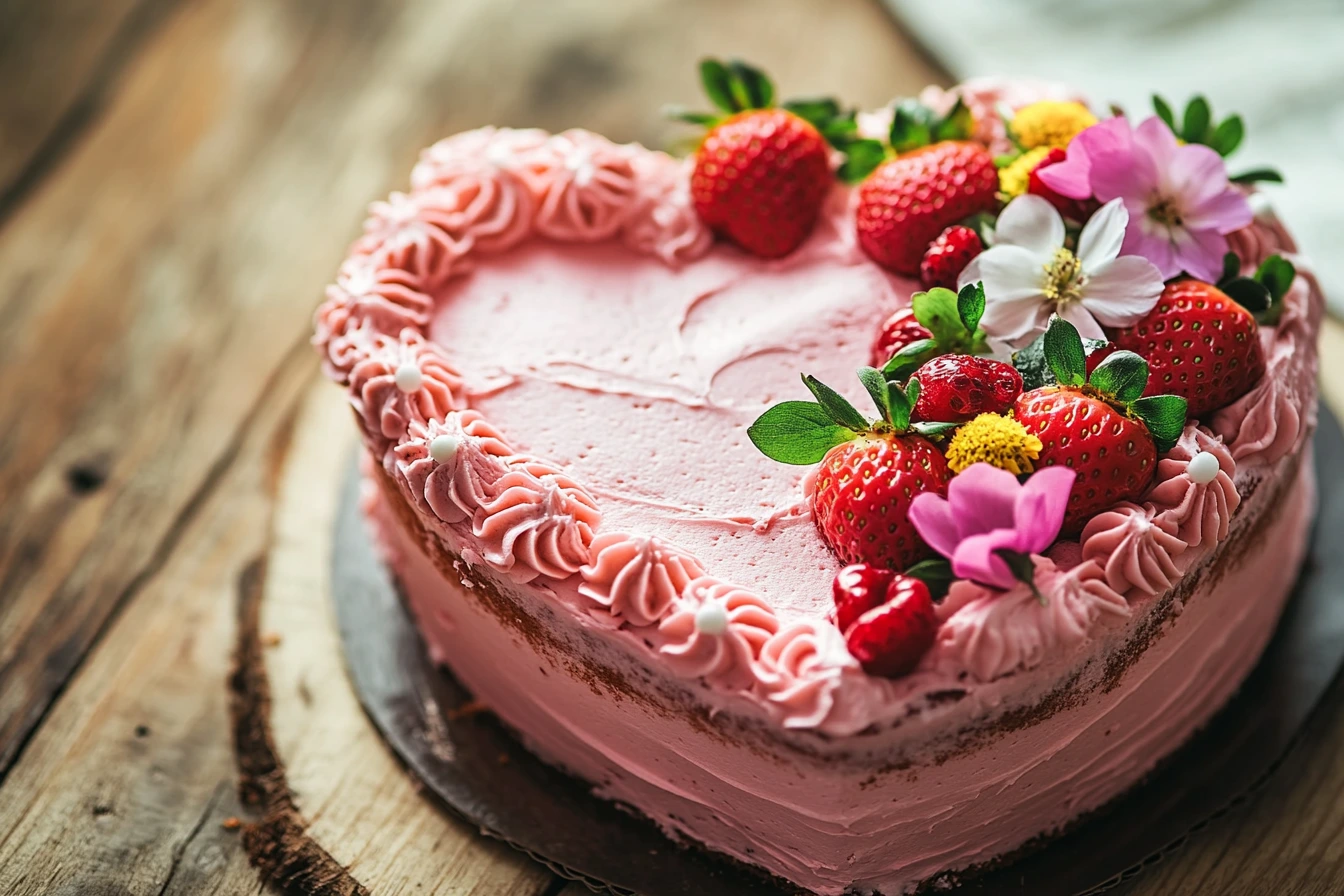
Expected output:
(449, 467)
(404, 379)
(990, 633)
(1197, 496)
(664, 223)
(410, 233)
(470, 152)
(1135, 546)
(800, 670)
(634, 578)
(365, 301)
(538, 522)
(585, 186)
(715, 631)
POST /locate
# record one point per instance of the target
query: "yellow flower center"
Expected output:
(1050, 123)
(1063, 278)
(1016, 175)
(993, 439)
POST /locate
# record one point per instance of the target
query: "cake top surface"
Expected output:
(571, 358)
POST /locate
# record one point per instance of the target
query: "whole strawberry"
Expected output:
(1203, 345)
(870, 470)
(1098, 425)
(898, 331)
(762, 172)
(938, 322)
(907, 202)
(948, 256)
(888, 620)
(957, 388)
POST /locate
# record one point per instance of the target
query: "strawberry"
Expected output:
(1101, 352)
(762, 172)
(1074, 209)
(957, 388)
(908, 201)
(948, 256)
(1098, 425)
(898, 626)
(870, 470)
(898, 331)
(1200, 343)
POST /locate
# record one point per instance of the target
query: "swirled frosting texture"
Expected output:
(385, 407)
(1135, 547)
(412, 233)
(800, 671)
(454, 489)
(538, 522)
(366, 301)
(664, 223)
(635, 578)
(722, 658)
(585, 186)
(1201, 511)
(990, 633)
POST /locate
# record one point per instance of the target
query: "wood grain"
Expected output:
(179, 190)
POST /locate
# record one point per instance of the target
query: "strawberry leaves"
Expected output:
(914, 124)
(1120, 380)
(1261, 293)
(1197, 126)
(954, 321)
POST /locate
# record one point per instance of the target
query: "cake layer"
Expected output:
(831, 814)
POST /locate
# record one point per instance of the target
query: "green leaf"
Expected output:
(819, 112)
(1257, 175)
(1064, 353)
(876, 384)
(861, 157)
(1231, 267)
(681, 113)
(912, 390)
(750, 87)
(1195, 125)
(936, 574)
(1164, 112)
(840, 410)
(717, 82)
(1277, 274)
(1122, 375)
(901, 403)
(1030, 362)
(911, 127)
(933, 429)
(971, 305)
(796, 432)
(1248, 293)
(1228, 135)
(1164, 415)
(909, 359)
(937, 311)
(956, 124)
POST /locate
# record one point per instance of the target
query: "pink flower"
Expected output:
(990, 524)
(1181, 204)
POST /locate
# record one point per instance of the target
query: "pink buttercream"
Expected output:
(991, 633)
(384, 407)
(470, 153)
(635, 579)
(722, 658)
(454, 490)
(585, 186)
(538, 522)
(800, 669)
(664, 223)
(412, 233)
(1201, 512)
(1135, 546)
(365, 301)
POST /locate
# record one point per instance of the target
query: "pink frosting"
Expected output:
(365, 301)
(455, 490)
(538, 522)
(585, 186)
(385, 409)
(722, 658)
(800, 670)
(634, 578)
(664, 223)
(471, 153)
(1201, 512)
(991, 633)
(1135, 547)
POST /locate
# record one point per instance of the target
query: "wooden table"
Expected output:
(178, 179)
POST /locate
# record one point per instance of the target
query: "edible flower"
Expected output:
(1029, 274)
(996, 440)
(1050, 123)
(1181, 203)
(990, 524)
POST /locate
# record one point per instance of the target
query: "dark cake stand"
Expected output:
(480, 772)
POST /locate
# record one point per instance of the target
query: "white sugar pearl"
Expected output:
(1203, 468)
(711, 619)
(409, 378)
(443, 449)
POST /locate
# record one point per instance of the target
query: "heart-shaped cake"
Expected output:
(857, 632)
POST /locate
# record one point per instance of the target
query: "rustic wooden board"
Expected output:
(179, 178)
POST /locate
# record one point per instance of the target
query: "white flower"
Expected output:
(1029, 274)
